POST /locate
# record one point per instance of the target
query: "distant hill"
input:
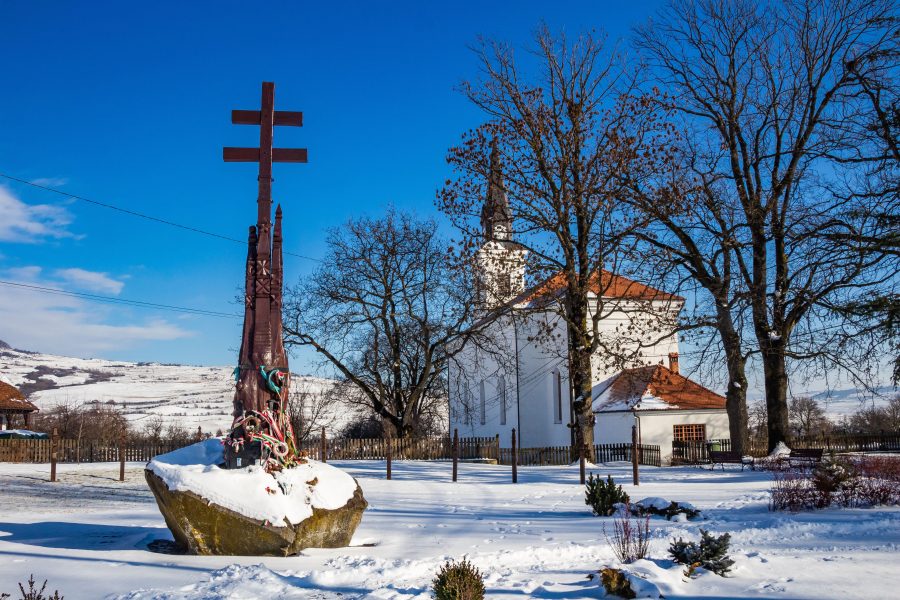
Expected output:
(4, 345)
(192, 396)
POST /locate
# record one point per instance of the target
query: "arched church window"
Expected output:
(501, 392)
(482, 401)
(557, 396)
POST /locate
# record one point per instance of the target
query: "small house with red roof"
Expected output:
(519, 378)
(14, 408)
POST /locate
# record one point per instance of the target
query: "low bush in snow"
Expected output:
(616, 583)
(711, 553)
(851, 482)
(458, 581)
(630, 538)
(602, 496)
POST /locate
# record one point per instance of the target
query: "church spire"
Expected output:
(496, 221)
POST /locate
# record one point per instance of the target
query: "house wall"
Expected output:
(656, 427)
(613, 428)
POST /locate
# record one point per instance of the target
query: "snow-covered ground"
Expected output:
(185, 395)
(88, 535)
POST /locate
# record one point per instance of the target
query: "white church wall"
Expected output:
(479, 383)
(544, 382)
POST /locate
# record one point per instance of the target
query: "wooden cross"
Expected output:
(265, 155)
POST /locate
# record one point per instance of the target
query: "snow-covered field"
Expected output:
(88, 535)
(185, 395)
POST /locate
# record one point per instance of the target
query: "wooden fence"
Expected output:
(431, 448)
(697, 452)
(70, 451)
(564, 455)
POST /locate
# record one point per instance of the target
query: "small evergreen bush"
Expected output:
(602, 496)
(829, 478)
(459, 581)
(711, 553)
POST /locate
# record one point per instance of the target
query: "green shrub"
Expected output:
(711, 553)
(459, 581)
(602, 496)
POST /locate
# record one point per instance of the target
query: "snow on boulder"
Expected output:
(248, 511)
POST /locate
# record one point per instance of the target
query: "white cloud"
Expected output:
(31, 223)
(70, 326)
(50, 181)
(90, 280)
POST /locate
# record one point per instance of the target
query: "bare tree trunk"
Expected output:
(775, 375)
(736, 394)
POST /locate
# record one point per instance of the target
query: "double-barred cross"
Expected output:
(265, 155)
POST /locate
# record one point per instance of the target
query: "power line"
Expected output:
(112, 300)
(144, 216)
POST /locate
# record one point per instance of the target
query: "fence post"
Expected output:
(581, 462)
(387, 455)
(54, 440)
(122, 456)
(455, 452)
(515, 458)
(324, 447)
(634, 456)
(497, 446)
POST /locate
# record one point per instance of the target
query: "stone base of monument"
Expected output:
(248, 512)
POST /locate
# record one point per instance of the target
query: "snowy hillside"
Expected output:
(194, 396)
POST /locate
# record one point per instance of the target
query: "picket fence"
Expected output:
(697, 452)
(71, 451)
(430, 448)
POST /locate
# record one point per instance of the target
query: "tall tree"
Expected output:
(768, 96)
(384, 310)
(563, 130)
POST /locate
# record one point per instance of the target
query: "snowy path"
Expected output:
(88, 535)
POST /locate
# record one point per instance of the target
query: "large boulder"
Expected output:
(249, 512)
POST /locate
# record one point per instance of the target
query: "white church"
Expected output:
(522, 382)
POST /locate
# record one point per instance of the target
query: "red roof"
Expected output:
(654, 387)
(606, 285)
(12, 399)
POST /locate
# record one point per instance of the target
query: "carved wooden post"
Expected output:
(387, 455)
(455, 452)
(122, 456)
(581, 462)
(634, 456)
(54, 440)
(515, 458)
(324, 448)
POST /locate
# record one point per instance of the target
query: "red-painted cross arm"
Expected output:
(287, 118)
(284, 155)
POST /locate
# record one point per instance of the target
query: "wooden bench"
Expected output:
(805, 456)
(719, 457)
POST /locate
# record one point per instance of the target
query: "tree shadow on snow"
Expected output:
(81, 536)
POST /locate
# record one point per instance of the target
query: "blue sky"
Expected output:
(129, 103)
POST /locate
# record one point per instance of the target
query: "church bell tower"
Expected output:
(501, 262)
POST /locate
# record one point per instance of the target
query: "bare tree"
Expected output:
(383, 310)
(562, 136)
(771, 105)
(807, 418)
(314, 404)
